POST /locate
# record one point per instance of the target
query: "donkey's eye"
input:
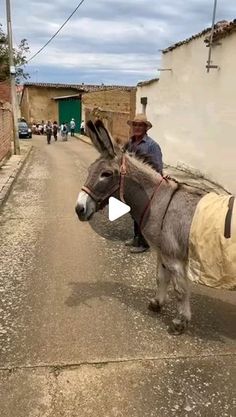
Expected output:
(106, 174)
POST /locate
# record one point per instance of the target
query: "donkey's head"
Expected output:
(103, 175)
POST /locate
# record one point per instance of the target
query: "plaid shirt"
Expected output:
(147, 146)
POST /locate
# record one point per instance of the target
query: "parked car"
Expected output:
(24, 130)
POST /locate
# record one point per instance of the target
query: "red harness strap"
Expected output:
(149, 202)
(123, 173)
(89, 192)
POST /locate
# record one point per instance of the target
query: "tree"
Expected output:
(20, 59)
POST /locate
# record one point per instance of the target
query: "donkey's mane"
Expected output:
(145, 158)
(143, 171)
(140, 165)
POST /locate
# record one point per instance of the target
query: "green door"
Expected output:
(70, 109)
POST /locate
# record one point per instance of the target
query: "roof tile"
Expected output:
(81, 87)
(223, 28)
(147, 82)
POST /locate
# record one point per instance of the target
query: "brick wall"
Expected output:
(5, 130)
(5, 91)
(115, 108)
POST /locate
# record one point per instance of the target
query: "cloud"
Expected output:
(108, 39)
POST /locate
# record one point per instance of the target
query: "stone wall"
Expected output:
(5, 130)
(115, 108)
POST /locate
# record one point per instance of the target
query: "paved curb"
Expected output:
(4, 193)
(84, 139)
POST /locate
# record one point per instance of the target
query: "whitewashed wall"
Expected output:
(194, 112)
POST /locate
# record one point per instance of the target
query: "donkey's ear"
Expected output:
(94, 136)
(105, 137)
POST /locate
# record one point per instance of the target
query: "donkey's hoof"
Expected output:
(178, 326)
(154, 306)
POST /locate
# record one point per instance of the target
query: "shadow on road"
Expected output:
(212, 319)
(120, 229)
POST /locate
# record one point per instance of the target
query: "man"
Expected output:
(55, 130)
(64, 132)
(82, 126)
(72, 127)
(42, 127)
(141, 143)
(48, 131)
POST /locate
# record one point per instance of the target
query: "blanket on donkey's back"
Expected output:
(212, 256)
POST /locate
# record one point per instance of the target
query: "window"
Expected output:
(144, 104)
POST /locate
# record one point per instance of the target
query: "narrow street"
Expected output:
(76, 337)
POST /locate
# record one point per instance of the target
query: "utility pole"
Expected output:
(13, 80)
(209, 65)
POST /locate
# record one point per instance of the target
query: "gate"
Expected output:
(70, 108)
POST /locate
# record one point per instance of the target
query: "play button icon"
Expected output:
(116, 209)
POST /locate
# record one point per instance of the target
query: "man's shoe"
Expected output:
(139, 249)
(131, 242)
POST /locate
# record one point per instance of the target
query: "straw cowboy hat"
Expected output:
(140, 118)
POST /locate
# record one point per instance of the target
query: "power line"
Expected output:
(55, 34)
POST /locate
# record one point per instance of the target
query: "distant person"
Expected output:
(43, 126)
(82, 126)
(64, 132)
(34, 128)
(55, 130)
(48, 130)
(61, 129)
(40, 129)
(72, 127)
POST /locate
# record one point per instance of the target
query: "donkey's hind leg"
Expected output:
(163, 280)
(181, 287)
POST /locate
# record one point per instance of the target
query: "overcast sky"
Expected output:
(107, 41)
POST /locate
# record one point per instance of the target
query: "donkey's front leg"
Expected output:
(163, 280)
(181, 287)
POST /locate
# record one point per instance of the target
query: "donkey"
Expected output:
(163, 208)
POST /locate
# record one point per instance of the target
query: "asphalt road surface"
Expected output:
(76, 337)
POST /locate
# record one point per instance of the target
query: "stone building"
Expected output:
(61, 102)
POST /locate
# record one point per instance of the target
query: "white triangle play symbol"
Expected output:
(116, 209)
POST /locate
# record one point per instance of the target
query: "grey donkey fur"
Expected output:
(167, 226)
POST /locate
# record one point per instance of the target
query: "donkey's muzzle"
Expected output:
(80, 211)
(85, 206)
